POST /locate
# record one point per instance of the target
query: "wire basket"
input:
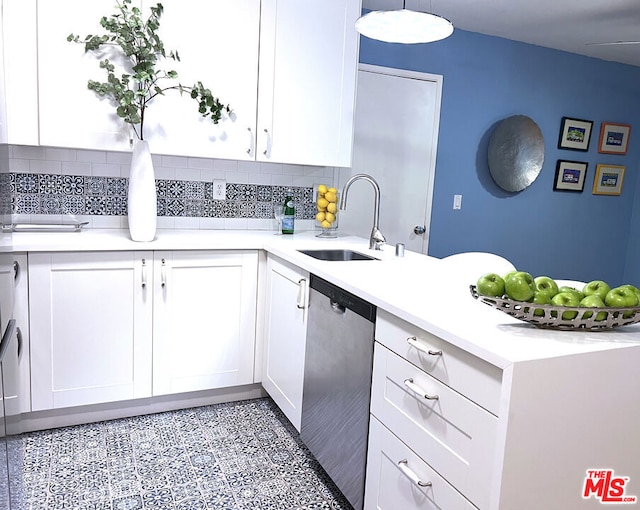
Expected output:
(561, 317)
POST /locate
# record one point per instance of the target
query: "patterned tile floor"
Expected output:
(239, 455)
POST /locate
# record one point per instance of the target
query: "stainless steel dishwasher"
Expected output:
(337, 384)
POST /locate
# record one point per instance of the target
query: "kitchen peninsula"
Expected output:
(522, 413)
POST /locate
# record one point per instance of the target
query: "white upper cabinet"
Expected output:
(307, 82)
(217, 42)
(71, 115)
(287, 69)
(20, 59)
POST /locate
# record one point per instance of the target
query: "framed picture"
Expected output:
(570, 176)
(614, 138)
(575, 134)
(608, 180)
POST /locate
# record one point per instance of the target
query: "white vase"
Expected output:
(142, 202)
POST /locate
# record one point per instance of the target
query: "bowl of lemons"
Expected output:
(327, 210)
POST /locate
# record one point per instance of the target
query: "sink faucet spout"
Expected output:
(376, 239)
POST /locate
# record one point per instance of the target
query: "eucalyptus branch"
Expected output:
(139, 84)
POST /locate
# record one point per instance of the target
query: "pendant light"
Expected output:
(404, 26)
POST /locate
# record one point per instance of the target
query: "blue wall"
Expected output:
(486, 79)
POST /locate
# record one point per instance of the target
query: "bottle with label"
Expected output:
(289, 214)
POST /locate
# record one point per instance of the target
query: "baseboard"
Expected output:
(65, 417)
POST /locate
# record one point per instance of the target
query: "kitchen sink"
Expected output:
(337, 255)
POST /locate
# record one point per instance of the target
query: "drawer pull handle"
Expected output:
(418, 390)
(163, 274)
(413, 342)
(409, 473)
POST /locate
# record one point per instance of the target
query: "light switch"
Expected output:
(457, 202)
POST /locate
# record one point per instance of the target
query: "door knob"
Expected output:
(419, 229)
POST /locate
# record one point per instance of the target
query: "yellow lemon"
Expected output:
(330, 217)
(322, 204)
(332, 190)
(325, 224)
(320, 217)
(332, 207)
(331, 196)
(322, 189)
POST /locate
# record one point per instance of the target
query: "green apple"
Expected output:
(519, 286)
(635, 289)
(490, 284)
(546, 285)
(621, 297)
(597, 288)
(567, 299)
(572, 290)
(540, 298)
(593, 301)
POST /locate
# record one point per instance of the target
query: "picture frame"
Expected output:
(614, 138)
(608, 179)
(575, 134)
(570, 175)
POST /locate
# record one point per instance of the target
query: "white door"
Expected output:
(395, 141)
(203, 320)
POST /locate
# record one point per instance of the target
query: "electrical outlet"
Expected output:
(219, 189)
(457, 202)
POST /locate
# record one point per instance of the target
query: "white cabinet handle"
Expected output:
(144, 273)
(267, 142)
(301, 301)
(163, 274)
(410, 474)
(418, 390)
(251, 141)
(413, 342)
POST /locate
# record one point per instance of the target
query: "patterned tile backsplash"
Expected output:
(107, 196)
(55, 184)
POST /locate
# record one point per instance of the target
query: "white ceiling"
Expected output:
(566, 25)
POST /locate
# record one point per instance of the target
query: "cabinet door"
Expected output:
(218, 45)
(204, 320)
(307, 81)
(19, 52)
(71, 115)
(15, 361)
(285, 336)
(90, 327)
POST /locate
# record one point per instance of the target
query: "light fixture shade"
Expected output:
(404, 26)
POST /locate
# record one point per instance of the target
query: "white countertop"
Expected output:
(417, 288)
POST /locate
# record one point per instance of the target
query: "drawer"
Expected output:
(475, 378)
(453, 434)
(397, 478)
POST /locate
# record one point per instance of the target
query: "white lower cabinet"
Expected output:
(285, 335)
(204, 315)
(397, 478)
(90, 327)
(432, 422)
(110, 326)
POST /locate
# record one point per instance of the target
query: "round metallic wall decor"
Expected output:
(516, 153)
